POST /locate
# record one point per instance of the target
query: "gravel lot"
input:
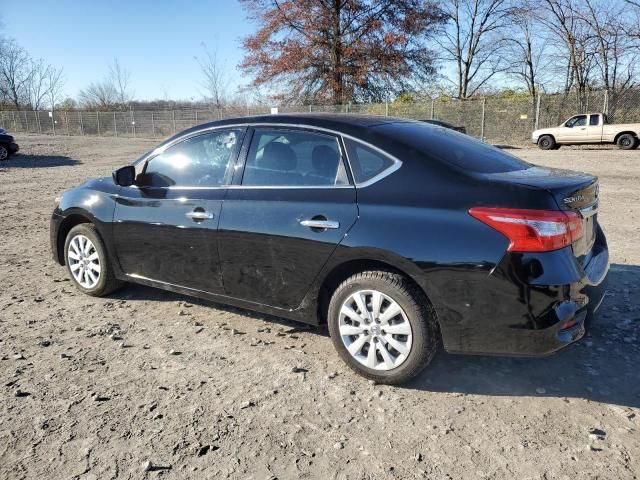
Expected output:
(99, 387)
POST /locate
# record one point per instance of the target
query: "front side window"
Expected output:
(577, 121)
(199, 161)
(293, 158)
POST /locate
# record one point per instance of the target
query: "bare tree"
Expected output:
(15, 72)
(55, 84)
(102, 95)
(113, 91)
(612, 45)
(36, 84)
(574, 42)
(214, 80)
(472, 43)
(525, 49)
(121, 79)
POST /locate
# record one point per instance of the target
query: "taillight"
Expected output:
(532, 230)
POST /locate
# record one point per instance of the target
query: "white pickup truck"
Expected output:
(587, 128)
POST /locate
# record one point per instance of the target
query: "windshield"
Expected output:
(456, 149)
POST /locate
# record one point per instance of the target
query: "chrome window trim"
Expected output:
(335, 136)
(397, 163)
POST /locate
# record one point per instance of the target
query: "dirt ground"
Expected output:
(95, 388)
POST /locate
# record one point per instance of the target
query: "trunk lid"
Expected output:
(574, 191)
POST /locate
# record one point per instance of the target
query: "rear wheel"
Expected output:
(87, 261)
(626, 141)
(4, 152)
(382, 326)
(546, 142)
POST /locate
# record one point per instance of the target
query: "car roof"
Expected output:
(341, 122)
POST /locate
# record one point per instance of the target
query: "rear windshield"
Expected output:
(456, 149)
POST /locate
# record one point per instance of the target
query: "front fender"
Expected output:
(84, 204)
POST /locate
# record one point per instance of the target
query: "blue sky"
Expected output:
(155, 40)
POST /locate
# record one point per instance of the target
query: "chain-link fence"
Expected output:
(493, 119)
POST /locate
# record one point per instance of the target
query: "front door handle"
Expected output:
(320, 224)
(199, 215)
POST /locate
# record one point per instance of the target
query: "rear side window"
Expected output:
(199, 161)
(594, 120)
(293, 158)
(366, 163)
(448, 146)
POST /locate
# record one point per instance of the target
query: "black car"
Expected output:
(8, 146)
(399, 235)
(450, 126)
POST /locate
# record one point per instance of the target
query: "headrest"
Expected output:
(279, 156)
(325, 160)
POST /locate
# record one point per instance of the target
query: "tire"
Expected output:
(415, 310)
(75, 246)
(546, 142)
(627, 141)
(557, 147)
(4, 153)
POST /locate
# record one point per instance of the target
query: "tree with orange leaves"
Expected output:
(339, 51)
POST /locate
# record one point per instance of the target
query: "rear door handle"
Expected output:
(199, 215)
(320, 224)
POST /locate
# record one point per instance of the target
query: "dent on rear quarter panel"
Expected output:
(447, 252)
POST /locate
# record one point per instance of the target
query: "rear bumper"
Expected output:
(534, 304)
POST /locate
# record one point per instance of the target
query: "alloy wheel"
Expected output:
(4, 153)
(375, 330)
(84, 261)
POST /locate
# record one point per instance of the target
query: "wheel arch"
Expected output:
(629, 132)
(343, 270)
(547, 135)
(70, 221)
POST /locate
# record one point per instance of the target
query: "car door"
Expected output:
(165, 226)
(292, 202)
(594, 129)
(575, 129)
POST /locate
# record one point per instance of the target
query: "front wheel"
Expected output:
(547, 142)
(382, 326)
(627, 141)
(86, 260)
(4, 153)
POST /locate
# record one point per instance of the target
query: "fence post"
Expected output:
(173, 118)
(38, 122)
(537, 115)
(484, 101)
(433, 104)
(26, 120)
(66, 120)
(13, 117)
(153, 127)
(115, 125)
(98, 122)
(53, 121)
(81, 124)
(133, 124)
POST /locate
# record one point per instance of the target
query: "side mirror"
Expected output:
(125, 176)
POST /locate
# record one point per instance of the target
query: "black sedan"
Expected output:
(450, 126)
(8, 145)
(399, 235)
